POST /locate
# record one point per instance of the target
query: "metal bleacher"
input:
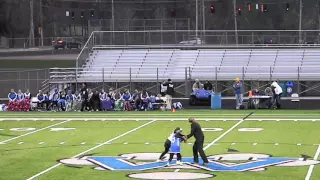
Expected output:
(221, 64)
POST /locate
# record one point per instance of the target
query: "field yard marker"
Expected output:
(41, 142)
(276, 144)
(125, 143)
(32, 132)
(254, 144)
(308, 176)
(299, 144)
(225, 133)
(93, 148)
(20, 142)
(147, 143)
(62, 143)
(232, 144)
(83, 143)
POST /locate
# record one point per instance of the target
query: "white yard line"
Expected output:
(158, 118)
(91, 149)
(308, 176)
(5, 141)
(222, 135)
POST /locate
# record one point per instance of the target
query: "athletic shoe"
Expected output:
(205, 164)
(179, 163)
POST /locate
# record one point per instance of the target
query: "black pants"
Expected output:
(178, 156)
(167, 145)
(277, 98)
(198, 147)
(85, 104)
(54, 105)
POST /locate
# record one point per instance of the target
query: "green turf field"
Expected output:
(267, 145)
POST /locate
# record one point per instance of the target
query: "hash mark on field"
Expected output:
(41, 142)
(20, 142)
(83, 143)
(125, 143)
(276, 144)
(232, 144)
(299, 144)
(177, 170)
(62, 143)
(147, 143)
(254, 144)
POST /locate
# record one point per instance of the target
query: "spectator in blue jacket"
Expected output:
(55, 99)
(41, 99)
(20, 95)
(144, 99)
(237, 86)
(126, 96)
(12, 96)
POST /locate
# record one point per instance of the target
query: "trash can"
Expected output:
(216, 101)
(289, 88)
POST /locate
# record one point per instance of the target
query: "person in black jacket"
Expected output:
(84, 97)
(207, 85)
(196, 131)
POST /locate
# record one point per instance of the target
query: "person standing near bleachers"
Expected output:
(84, 97)
(277, 93)
(169, 93)
(237, 86)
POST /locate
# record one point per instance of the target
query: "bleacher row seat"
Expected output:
(226, 64)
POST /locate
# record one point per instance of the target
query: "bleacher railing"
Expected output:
(218, 73)
(207, 38)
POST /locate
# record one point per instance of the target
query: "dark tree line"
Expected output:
(15, 14)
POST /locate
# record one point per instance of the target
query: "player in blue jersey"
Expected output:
(167, 143)
(175, 147)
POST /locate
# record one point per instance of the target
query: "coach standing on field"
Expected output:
(169, 93)
(196, 131)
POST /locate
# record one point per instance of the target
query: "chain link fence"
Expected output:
(32, 79)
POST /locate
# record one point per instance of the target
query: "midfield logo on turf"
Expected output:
(223, 162)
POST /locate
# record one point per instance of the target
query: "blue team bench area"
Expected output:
(66, 100)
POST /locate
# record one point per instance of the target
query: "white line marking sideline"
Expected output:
(308, 176)
(222, 135)
(34, 131)
(91, 149)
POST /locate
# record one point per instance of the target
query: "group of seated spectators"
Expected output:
(85, 100)
(198, 85)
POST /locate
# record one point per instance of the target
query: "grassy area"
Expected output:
(36, 64)
(88, 149)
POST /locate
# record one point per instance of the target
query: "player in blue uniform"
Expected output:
(175, 147)
(167, 143)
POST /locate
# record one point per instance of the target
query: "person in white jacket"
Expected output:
(277, 92)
